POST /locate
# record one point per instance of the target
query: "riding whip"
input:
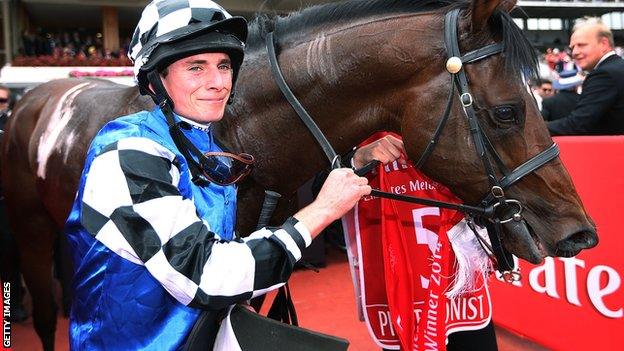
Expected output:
(268, 207)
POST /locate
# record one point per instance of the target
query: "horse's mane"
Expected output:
(518, 51)
(322, 15)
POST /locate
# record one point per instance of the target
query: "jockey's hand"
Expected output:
(340, 192)
(385, 150)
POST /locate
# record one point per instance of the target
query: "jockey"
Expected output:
(152, 227)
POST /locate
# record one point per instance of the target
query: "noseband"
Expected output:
(495, 209)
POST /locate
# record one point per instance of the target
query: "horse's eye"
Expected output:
(504, 113)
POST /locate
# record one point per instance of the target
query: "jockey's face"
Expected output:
(200, 86)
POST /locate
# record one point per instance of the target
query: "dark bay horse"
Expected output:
(357, 67)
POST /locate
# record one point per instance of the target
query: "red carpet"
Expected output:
(325, 302)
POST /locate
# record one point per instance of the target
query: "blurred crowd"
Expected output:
(69, 48)
(552, 63)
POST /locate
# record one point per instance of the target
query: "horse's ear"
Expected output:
(481, 12)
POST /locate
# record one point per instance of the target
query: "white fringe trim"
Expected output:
(471, 259)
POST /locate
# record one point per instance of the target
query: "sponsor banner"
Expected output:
(577, 303)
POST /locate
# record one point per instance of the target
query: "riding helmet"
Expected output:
(170, 30)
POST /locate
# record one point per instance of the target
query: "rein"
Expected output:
(495, 209)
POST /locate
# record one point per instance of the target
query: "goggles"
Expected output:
(224, 168)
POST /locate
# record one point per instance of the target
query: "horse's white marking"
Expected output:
(68, 142)
(58, 121)
(319, 60)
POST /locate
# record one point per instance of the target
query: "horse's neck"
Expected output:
(350, 80)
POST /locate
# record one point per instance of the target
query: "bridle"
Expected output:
(495, 209)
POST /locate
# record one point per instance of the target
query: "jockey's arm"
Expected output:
(191, 262)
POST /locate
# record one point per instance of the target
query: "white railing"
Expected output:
(572, 3)
(593, 2)
(21, 77)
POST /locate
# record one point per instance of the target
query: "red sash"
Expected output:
(403, 264)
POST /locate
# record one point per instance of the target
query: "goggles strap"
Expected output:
(185, 146)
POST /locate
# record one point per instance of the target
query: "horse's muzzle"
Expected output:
(573, 244)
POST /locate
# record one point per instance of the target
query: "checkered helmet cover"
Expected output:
(165, 21)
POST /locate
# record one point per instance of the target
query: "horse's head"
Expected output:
(363, 66)
(557, 224)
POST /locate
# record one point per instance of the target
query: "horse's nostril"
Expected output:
(583, 239)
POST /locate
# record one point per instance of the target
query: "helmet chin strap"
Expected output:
(157, 90)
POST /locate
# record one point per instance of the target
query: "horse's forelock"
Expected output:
(520, 55)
